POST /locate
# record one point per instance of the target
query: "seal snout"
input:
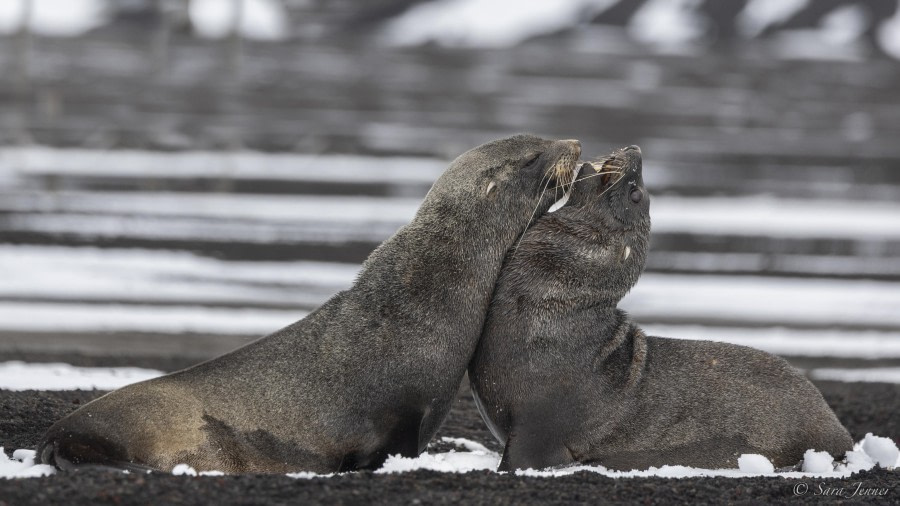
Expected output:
(575, 143)
(565, 154)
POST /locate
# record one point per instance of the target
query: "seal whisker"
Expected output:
(533, 213)
(572, 184)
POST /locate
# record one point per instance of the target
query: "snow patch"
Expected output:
(260, 19)
(668, 25)
(845, 24)
(837, 37)
(476, 458)
(867, 375)
(17, 375)
(184, 470)
(752, 463)
(53, 18)
(487, 23)
(22, 465)
(888, 34)
(306, 475)
(758, 15)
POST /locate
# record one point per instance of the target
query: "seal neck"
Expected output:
(621, 352)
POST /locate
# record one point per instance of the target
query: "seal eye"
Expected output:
(636, 195)
(531, 161)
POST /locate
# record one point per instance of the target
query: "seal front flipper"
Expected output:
(70, 452)
(534, 449)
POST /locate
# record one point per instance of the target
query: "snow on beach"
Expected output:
(472, 456)
(128, 163)
(468, 456)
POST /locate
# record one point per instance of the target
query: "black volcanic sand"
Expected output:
(24, 416)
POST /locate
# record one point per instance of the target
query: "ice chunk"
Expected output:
(754, 463)
(817, 462)
(858, 461)
(21, 465)
(881, 450)
(184, 470)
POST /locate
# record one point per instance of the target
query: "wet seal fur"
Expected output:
(562, 376)
(371, 373)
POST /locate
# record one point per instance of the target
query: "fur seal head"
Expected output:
(603, 228)
(500, 173)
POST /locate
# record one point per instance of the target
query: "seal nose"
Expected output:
(576, 145)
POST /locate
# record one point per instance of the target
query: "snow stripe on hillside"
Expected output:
(17, 375)
(744, 298)
(744, 216)
(164, 276)
(867, 375)
(66, 318)
(179, 278)
(52, 317)
(290, 208)
(771, 217)
(792, 342)
(43, 160)
(191, 230)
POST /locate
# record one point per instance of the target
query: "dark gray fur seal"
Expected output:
(562, 376)
(369, 374)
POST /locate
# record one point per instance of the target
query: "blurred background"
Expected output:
(178, 177)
